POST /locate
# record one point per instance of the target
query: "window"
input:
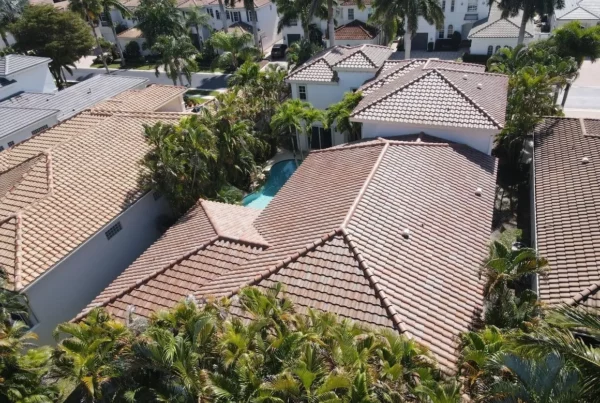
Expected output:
(11, 143)
(114, 230)
(472, 6)
(497, 48)
(210, 11)
(250, 15)
(441, 33)
(321, 138)
(450, 31)
(338, 13)
(351, 14)
(490, 50)
(302, 92)
(236, 16)
(227, 15)
(293, 22)
(39, 129)
(452, 6)
(443, 5)
(217, 15)
(369, 13)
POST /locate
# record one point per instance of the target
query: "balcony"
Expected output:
(471, 17)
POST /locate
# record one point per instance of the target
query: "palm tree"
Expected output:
(85, 360)
(339, 114)
(528, 8)
(247, 74)
(233, 46)
(159, 17)
(330, 17)
(107, 6)
(299, 10)
(578, 42)
(176, 56)
(289, 120)
(90, 10)
(197, 19)
(389, 14)
(10, 10)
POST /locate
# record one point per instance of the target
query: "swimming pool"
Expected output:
(277, 176)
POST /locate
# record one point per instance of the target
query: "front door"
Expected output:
(320, 138)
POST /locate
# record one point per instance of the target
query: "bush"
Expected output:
(104, 44)
(456, 40)
(444, 44)
(133, 52)
(120, 27)
(107, 57)
(430, 47)
(478, 59)
(206, 56)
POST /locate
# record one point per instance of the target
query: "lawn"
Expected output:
(117, 65)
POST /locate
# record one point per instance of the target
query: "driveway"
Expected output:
(205, 81)
(583, 99)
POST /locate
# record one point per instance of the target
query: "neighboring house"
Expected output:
(133, 35)
(386, 233)
(587, 12)
(33, 111)
(496, 32)
(355, 33)
(345, 13)
(458, 102)
(73, 214)
(324, 79)
(566, 209)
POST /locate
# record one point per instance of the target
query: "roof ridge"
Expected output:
(18, 250)
(360, 50)
(481, 109)
(373, 143)
(394, 91)
(305, 66)
(364, 187)
(394, 316)
(485, 73)
(144, 280)
(290, 258)
(392, 71)
(581, 295)
(483, 27)
(219, 231)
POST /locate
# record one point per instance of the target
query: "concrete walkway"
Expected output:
(583, 99)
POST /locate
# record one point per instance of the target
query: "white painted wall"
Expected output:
(66, 289)
(174, 105)
(479, 139)
(374, 41)
(26, 132)
(479, 46)
(34, 79)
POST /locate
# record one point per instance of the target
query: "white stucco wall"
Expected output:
(66, 289)
(374, 41)
(479, 139)
(26, 132)
(323, 95)
(34, 79)
(479, 46)
(175, 105)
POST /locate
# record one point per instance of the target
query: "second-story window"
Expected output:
(351, 14)
(293, 22)
(472, 6)
(217, 14)
(210, 11)
(369, 13)
(452, 6)
(441, 33)
(490, 50)
(443, 5)
(227, 15)
(250, 15)
(236, 16)
(302, 92)
(450, 31)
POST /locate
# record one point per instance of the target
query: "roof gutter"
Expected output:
(536, 278)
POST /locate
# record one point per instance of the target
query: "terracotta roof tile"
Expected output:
(335, 242)
(435, 93)
(355, 30)
(65, 184)
(567, 207)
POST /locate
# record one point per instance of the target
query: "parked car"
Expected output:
(278, 51)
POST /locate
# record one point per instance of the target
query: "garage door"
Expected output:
(293, 38)
(419, 42)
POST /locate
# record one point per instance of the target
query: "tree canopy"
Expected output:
(62, 36)
(159, 17)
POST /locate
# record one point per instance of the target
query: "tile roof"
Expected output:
(14, 120)
(580, 10)
(355, 30)
(336, 242)
(11, 64)
(76, 98)
(148, 99)
(567, 207)
(498, 27)
(62, 186)
(320, 68)
(435, 93)
(240, 28)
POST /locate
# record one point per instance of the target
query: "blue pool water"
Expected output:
(278, 175)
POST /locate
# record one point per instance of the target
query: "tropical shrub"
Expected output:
(133, 52)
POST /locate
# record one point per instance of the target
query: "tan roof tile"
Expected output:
(336, 242)
(355, 30)
(567, 207)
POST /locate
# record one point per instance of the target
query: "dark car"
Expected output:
(278, 51)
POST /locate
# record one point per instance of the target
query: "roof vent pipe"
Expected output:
(585, 160)
(465, 77)
(479, 85)
(406, 233)
(478, 191)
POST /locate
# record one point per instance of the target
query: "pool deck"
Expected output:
(281, 155)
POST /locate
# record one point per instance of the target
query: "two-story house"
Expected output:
(325, 78)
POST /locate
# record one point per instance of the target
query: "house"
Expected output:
(73, 214)
(345, 12)
(496, 32)
(19, 73)
(587, 12)
(454, 101)
(388, 233)
(566, 209)
(355, 33)
(29, 111)
(323, 80)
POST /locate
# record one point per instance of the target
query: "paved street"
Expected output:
(583, 99)
(205, 81)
